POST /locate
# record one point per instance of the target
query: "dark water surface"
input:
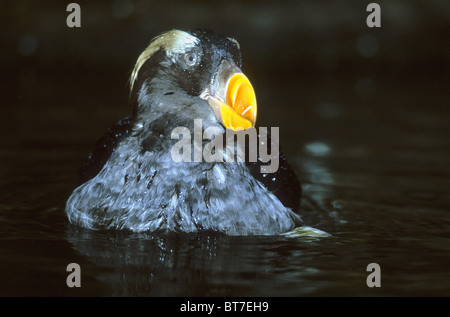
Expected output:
(383, 196)
(369, 139)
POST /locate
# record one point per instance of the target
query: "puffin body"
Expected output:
(131, 180)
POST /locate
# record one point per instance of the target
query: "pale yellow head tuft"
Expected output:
(174, 41)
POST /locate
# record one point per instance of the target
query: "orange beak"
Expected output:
(233, 99)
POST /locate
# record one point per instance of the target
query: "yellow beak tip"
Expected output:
(239, 113)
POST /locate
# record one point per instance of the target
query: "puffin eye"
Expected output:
(190, 59)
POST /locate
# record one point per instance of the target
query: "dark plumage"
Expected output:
(131, 181)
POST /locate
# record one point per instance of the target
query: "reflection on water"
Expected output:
(318, 149)
(195, 264)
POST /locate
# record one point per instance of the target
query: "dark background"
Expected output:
(54, 77)
(363, 116)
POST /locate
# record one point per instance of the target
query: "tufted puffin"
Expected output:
(131, 182)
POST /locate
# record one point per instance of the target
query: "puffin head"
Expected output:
(195, 65)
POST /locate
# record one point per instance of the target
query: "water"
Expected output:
(368, 138)
(382, 194)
